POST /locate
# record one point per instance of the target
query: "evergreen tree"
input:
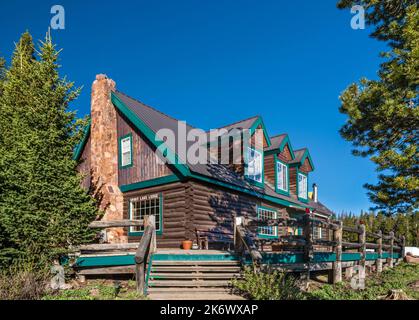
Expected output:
(383, 114)
(43, 208)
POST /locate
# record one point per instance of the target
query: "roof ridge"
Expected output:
(282, 134)
(228, 125)
(154, 109)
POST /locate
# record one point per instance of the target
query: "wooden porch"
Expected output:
(161, 271)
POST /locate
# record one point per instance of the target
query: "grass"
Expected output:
(377, 287)
(99, 290)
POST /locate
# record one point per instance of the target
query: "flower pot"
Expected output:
(186, 245)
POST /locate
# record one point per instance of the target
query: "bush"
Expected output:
(24, 280)
(268, 285)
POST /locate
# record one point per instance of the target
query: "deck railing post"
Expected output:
(337, 265)
(363, 250)
(308, 248)
(379, 262)
(391, 260)
(403, 250)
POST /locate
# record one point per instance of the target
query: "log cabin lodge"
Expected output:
(120, 166)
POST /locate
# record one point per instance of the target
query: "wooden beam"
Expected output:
(115, 223)
(391, 260)
(379, 262)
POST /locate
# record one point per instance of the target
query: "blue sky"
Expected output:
(215, 62)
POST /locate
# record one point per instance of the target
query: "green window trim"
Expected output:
(298, 191)
(275, 228)
(140, 233)
(277, 190)
(261, 183)
(131, 163)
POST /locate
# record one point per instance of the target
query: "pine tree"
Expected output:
(383, 115)
(43, 208)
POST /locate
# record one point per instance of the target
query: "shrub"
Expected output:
(268, 285)
(24, 280)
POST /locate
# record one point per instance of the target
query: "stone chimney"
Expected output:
(315, 193)
(104, 155)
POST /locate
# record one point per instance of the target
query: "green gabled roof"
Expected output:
(80, 147)
(300, 156)
(278, 144)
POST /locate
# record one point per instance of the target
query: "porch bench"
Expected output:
(204, 237)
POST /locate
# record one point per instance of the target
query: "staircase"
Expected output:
(205, 275)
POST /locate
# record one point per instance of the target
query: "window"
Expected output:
(282, 176)
(302, 186)
(317, 233)
(125, 149)
(267, 231)
(146, 206)
(254, 165)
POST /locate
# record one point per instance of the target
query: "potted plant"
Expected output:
(186, 244)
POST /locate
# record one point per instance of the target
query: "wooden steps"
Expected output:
(183, 276)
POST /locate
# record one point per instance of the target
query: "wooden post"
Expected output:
(379, 262)
(308, 248)
(337, 265)
(238, 245)
(403, 251)
(391, 260)
(363, 248)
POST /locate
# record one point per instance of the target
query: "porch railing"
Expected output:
(367, 246)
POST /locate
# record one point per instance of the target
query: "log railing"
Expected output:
(366, 243)
(144, 249)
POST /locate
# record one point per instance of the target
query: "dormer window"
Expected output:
(254, 165)
(281, 177)
(302, 186)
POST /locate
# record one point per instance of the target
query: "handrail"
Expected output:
(241, 242)
(147, 245)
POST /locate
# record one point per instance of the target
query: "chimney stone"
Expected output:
(104, 155)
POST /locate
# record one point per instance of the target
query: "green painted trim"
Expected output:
(324, 257)
(158, 232)
(305, 174)
(372, 256)
(122, 260)
(307, 155)
(254, 126)
(281, 148)
(282, 258)
(266, 236)
(80, 147)
(247, 191)
(171, 156)
(246, 157)
(147, 277)
(194, 257)
(280, 191)
(120, 166)
(150, 183)
(351, 256)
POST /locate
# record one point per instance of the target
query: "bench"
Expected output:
(204, 237)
